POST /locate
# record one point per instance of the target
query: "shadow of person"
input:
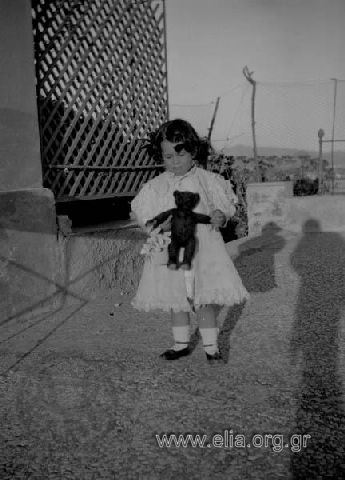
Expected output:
(256, 266)
(4, 254)
(319, 260)
(233, 314)
(256, 260)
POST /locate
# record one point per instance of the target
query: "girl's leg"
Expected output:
(208, 329)
(179, 319)
(181, 329)
(181, 333)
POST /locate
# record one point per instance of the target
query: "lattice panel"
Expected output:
(101, 87)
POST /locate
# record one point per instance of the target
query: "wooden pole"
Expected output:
(248, 76)
(213, 119)
(320, 134)
(335, 80)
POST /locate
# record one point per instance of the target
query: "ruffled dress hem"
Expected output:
(216, 299)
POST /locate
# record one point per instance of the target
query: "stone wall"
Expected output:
(267, 202)
(274, 202)
(324, 213)
(107, 260)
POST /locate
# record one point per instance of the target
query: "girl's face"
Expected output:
(176, 162)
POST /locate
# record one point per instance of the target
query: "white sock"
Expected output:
(181, 337)
(209, 339)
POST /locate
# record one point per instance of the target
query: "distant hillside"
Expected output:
(245, 150)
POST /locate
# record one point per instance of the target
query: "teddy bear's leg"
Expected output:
(173, 252)
(188, 254)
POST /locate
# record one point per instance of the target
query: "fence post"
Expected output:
(320, 134)
(248, 76)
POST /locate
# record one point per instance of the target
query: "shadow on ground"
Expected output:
(256, 266)
(319, 261)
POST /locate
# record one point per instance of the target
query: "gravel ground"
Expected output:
(83, 392)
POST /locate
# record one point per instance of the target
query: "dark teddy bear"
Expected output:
(183, 222)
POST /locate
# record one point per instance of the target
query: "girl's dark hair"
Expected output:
(177, 131)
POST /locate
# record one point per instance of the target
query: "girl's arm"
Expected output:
(144, 205)
(222, 194)
(219, 219)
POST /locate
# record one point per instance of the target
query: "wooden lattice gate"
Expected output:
(101, 87)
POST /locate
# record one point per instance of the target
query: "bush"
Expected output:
(305, 186)
(237, 226)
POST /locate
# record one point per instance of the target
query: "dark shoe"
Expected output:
(215, 358)
(175, 354)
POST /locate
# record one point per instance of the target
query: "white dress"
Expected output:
(213, 278)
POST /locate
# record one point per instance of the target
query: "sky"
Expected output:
(293, 48)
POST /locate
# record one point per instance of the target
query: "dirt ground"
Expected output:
(84, 395)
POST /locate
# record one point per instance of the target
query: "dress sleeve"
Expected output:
(223, 195)
(144, 205)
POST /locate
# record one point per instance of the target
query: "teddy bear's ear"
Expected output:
(176, 192)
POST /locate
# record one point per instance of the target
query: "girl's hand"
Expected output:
(166, 226)
(149, 226)
(218, 218)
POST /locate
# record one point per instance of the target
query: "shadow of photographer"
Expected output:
(319, 261)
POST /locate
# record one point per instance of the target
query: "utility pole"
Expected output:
(320, 134)
(248, 76)
(213, 120)
(335, 80)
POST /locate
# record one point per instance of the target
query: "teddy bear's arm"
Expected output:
(201, 218)
(158, 219)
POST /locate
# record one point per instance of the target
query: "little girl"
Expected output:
(213, 278)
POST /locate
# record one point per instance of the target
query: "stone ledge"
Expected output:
(324, 213)
(102, 260)
(267, 202)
